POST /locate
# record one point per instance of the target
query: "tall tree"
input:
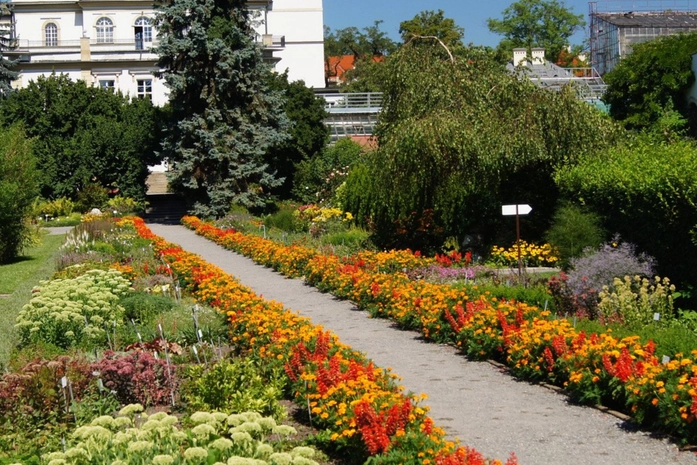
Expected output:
(537, 23)
(308, 132)
(224, 117)
(84, 135)
(7, 42)
(652, 79)
(443, 159)
(431, 23)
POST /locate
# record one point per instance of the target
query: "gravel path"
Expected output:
(473, 401)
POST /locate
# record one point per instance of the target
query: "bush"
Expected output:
(635, 300)
(124, 205)
(284, 219)
(141, 307)
(18, 189)
(92, 196)
(233, 387)
(573, 230)
(595, 269)
(55, 208)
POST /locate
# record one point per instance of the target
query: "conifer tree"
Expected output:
(224, 117)
(7, 42)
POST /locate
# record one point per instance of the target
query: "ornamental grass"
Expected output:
(597, 368)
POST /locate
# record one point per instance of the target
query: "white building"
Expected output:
(107, 42)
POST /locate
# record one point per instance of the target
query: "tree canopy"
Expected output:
(224, 118)
(442, 149)
(432, 23)
(85, 135)
(537, 23)
(652, 79)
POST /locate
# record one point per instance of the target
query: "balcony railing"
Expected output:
(355, 102)
(121, 43)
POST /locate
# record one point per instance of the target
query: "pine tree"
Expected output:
(7, 42)
(224, 118)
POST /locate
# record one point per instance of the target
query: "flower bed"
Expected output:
(592, 368)
(360, 406)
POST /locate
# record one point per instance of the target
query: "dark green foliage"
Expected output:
(318, 177)
(653, 78)
(7, 74)
(18, 190)
(91, 196)
(646, 192)
(536, 23)
(573, 229)
(224, 119)
(442, 148)
(308, 133)
(85, 135)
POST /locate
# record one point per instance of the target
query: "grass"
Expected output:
(17, 279)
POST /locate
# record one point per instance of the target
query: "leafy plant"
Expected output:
(233, 386)
(74, 312)
(574, 229)
(636, 300)
(137, 376)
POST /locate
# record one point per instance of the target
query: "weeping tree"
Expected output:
(457, 139)
(224, 119)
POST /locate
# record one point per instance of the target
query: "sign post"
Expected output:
(517, 210)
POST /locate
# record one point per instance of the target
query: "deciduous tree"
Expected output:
(652, 79)
(457, 139)
(537, 23)
(224, 117)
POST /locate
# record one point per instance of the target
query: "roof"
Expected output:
(336, 66)
(675, 20)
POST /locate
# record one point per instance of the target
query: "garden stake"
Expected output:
(169, 369)
(193, 348)
(64, 383)
(309, 411)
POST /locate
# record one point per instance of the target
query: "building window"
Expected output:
(51, 35)
(105, 30)
(145, 88)
(143, 33)
(106, 84)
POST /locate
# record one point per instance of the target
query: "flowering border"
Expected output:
(361, 406)
(593, 368)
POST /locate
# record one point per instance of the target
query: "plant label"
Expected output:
(64, 382)
(665, 359)
(656, 316)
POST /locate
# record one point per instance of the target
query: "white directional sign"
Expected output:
(523, 209)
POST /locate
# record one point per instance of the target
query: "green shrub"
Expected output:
(142, 307)
(284, 219)
(573, 229)
(233, 387)
(124, 205)
(55, 208)
(18, 189)
(92, 196)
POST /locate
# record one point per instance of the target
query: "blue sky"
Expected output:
(469, 14)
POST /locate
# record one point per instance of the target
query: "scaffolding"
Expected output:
(616, 26)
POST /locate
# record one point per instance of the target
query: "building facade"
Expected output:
(108, 43)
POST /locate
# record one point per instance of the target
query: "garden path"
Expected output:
(473, 401)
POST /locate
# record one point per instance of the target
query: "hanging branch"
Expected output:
(414, 36)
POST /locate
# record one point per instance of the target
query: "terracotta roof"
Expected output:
(338, 65)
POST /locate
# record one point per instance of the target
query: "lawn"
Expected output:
(16, 281)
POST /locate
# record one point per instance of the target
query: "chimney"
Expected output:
(519, 56)
(538, 56)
